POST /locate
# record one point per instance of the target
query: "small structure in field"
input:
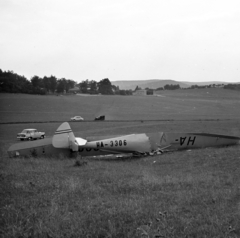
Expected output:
(74, 90)
(140, 92)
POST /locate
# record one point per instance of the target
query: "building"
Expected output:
(74, 90)
(140, 92)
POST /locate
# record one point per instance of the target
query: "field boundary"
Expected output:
(27, 122)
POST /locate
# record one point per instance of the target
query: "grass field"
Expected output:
(171, 105)
(182, 194)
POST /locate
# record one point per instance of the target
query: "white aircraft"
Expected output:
(64, 142)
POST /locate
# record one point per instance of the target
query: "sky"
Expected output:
(187, 40)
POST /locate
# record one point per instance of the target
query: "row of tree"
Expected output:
(104, 87)
(232, 86)
(166, 87)
(13, 83)
(227, 86)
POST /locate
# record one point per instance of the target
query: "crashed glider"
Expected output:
(64, 142)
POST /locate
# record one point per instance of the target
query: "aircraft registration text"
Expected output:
(190, 140)
(112, 143)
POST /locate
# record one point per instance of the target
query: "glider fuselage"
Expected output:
(140, 144)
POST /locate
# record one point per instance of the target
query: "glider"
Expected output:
(64, 142)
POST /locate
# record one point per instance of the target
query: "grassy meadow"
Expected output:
(182, 194)
(168, 105)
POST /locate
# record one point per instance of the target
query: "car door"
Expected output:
(32, 134)
(36, 134)
(28, 134)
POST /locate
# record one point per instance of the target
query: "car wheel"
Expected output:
(30, 138)
(42, 137)
(21, 139)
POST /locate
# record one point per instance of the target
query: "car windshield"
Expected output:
(29, 131)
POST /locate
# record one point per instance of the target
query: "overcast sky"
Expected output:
(187, 40)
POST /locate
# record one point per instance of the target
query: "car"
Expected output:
(100, 118)
(77, 118)
(30, 134)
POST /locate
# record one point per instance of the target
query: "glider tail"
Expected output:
(65, 139)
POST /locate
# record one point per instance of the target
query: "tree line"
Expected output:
(232, 86)
(104, 87)
(11, 82)
(165, 87)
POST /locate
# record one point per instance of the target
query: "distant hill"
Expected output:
(204, 83)
(151, 83)
(157, 83)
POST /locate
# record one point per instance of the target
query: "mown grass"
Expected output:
(176, 104)
(182, 194)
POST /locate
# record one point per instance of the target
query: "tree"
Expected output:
(93, 87)
(171, 87)
(69, 84)
(137, 88)
(84, 86)
(61, 83)
(24, 85)
(46, 83)
(116, 89)
(36, 82)
(53, 83)
(105, 87)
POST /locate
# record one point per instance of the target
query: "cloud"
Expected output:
(182, 40)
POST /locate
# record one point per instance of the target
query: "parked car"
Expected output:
(30, 134)
(100, 118)
(77, 118)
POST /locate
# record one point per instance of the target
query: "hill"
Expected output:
(151, 83)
